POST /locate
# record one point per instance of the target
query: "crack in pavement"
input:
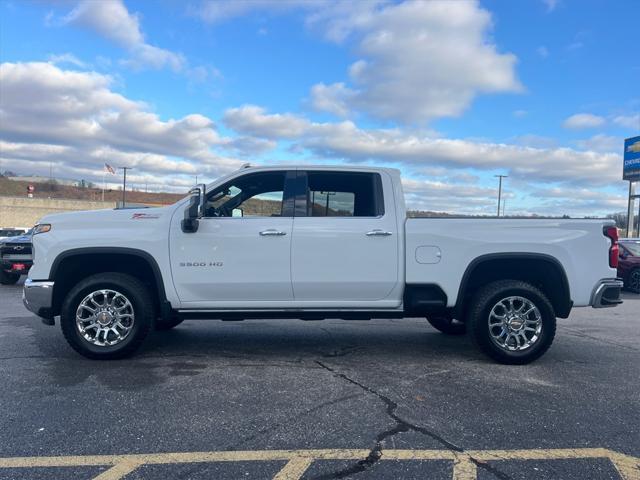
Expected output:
(401, 426)
(302, 414)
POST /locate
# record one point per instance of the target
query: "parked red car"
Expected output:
(629, 263)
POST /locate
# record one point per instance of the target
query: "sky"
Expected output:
(450, 92)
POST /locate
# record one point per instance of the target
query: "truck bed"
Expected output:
(440, 250)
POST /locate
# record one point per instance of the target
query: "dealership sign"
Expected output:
(631, 168)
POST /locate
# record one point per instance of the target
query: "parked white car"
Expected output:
(312, 243)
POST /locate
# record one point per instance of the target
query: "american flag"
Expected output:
(109, 168)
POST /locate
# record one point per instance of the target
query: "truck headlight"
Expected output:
(41, 228)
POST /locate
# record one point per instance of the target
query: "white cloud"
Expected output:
(602, 143)
(222, 10)
(535, 141)
(112, 20)
(577, 201)
(628, 121)
(542, 51)
(254, 120)
(67, 58)
(145, 56)
(575, 46)
(520, 113)
(346, 142)
(440, 196)
(419, 61)
(78, 121)
(550, 5)
(250, 146)
(583, 120)
(331, 98)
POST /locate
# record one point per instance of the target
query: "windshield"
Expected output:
(633, 248)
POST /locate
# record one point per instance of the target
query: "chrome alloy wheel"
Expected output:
(515, 324)
(105, 317)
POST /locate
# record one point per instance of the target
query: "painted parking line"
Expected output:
(298, 461)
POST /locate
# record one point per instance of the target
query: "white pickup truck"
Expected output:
(313, 243)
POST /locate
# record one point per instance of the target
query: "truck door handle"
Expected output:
(272, 233)
(378, 233)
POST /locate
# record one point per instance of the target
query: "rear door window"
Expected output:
(344, 194)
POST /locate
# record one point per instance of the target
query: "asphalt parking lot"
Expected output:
(383, 399)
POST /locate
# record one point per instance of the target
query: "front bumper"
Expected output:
(37, 296)
(607, 293)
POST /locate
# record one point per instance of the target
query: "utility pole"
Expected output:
(500, 190)
(326, 211)
(124, 185)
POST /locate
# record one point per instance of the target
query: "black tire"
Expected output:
(168, 324)
(447, 325)
(141, 302)
(478, 321)
(9, 278)
(633, 281)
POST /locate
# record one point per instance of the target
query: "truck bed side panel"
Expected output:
(438, 251)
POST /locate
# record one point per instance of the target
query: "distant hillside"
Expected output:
(15, 188)
(426, 214)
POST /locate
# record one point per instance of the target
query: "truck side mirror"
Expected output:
(237, 212)
(195, 210)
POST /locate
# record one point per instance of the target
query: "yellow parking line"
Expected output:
(118, 471)
(628, 467)
(294, 469)
(298, 461)
(539, 454)
(464, 468)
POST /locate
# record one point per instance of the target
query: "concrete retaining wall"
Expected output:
(25, 212)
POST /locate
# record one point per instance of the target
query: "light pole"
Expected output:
(124, 185)
(326, 211)
(500, 190)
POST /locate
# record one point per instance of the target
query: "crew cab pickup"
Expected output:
(313, 243)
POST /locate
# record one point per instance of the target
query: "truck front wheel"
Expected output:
(511, 321)
(107, 315)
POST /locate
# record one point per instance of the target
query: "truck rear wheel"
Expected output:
(107, 315)
(447, 325)
(9, 278)
(511, 321)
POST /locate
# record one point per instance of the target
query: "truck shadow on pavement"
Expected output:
(196, 346)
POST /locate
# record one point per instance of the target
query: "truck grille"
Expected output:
(15, 249)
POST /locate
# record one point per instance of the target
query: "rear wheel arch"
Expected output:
(72, 266)
(540, 270)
